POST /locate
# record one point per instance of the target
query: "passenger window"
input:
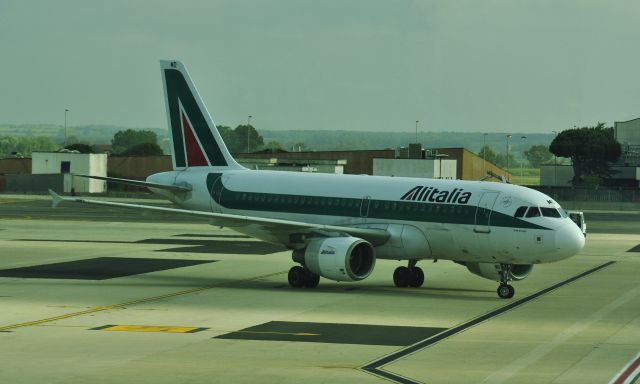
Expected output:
(550, 212)
(520, 211)
(533, 212)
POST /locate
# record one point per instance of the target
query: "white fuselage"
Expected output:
(467, 221)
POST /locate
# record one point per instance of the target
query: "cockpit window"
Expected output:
(533, 212)
(520, 212)
(563, 213)
(550, 212)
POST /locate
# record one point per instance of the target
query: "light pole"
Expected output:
(65, 126)
(521, 162)
(555, 163)
(248, 126)
(508, 138)
(417, 121)
(484, 154)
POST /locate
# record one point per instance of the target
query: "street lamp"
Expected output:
(508, 138)
(248, 125)
(484, 153)
(555, 163)
(521, 162)
(65, 126)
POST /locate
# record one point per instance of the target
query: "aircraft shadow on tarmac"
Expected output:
(234, 247)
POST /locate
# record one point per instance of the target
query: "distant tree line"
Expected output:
(24, 146)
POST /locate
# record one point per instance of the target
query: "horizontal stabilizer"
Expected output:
(140, 183)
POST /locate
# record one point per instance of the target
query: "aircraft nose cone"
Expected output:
(569, 240)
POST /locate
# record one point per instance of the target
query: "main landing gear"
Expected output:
(302, 277)
(505, 290)
(409, 276)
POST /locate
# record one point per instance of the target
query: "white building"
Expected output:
(68, 163)
(628, 135)
(426, 168)
(562, 175)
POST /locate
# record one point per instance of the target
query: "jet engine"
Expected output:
(490, 270)
(338, 258)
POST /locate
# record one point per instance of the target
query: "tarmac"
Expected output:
(100, 295)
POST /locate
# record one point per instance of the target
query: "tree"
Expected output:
(538, 154)
(487, 153)
(144, 149)
(123, 140)
(82, 148)
(273, 146)
(590, 149)
(247, 132)
(230, 138)
(501, 160)
(24, 146)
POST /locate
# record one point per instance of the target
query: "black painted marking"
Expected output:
(192, 246)
(214, 236)
(374, 367)
(100, 268)
(333, 333)
(101, 327)
(635, 249)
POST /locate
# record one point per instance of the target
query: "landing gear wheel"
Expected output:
(297, 276)
(506, 291)
(417, 277)
(401, 277)
(311, 279)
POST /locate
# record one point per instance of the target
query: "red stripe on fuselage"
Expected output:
(195, 157)
(627, 372)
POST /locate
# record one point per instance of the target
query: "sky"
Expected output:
(370, 65)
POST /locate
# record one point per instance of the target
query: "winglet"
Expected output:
(57, 199)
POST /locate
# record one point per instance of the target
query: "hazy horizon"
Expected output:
(364, 65)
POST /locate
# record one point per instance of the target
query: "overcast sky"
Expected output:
(498, 66)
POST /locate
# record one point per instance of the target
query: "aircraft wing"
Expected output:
(279, 229)
(139, 183)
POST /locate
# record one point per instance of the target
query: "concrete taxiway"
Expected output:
(89, 294)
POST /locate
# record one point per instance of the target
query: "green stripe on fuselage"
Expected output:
(351, 207)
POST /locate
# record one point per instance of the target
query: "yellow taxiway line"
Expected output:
(130, 303)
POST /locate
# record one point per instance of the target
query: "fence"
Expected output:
(605, 195)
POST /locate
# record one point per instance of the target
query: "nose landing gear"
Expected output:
(410, 276)
(505, 290)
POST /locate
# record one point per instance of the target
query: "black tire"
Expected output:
(506, 291)
(417, 277)
(297, 276)
(401, 277)
(311, 279)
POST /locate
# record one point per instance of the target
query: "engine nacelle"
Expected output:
(490, 270)
(338, 258)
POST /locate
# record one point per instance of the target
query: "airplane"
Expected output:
(337, 225)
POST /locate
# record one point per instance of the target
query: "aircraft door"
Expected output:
(483, 212)
(364, 206)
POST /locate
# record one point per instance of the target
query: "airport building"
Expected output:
(468, 165)
(52, 169)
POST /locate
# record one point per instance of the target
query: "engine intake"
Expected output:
(338, 258)
(489, 270)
